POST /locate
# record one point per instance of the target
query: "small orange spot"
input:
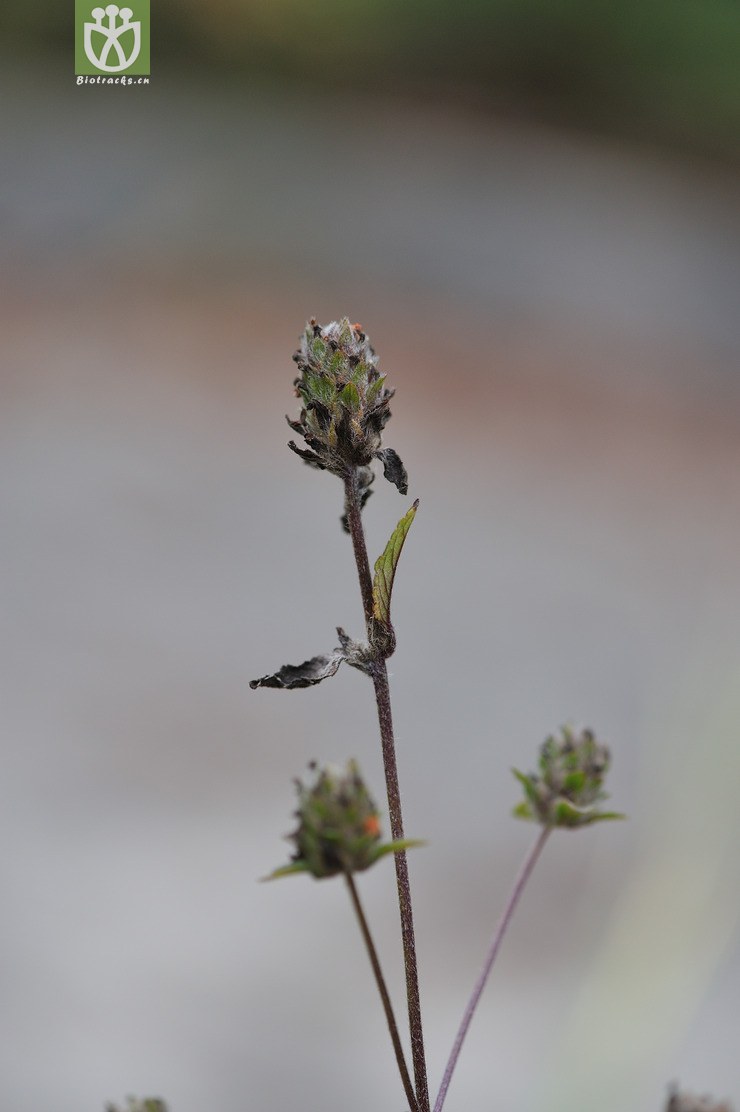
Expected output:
(372, 825)
(357, 327)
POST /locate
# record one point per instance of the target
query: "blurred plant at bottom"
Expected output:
(133, 1104)
(338, 833)
(689, 1102)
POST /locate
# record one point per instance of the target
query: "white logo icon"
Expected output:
(111, 36)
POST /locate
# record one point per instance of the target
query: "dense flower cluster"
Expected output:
(338, 823)
(338, 826)
(345, 405)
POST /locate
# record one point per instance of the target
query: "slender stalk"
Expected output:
(382, 695)
(496, 939)
(385, 720)
(357, 533)
(382, 989)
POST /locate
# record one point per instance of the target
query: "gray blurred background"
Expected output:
(532, 209)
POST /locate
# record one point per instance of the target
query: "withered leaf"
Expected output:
(393, 469)
(312, 671)
(308, 457)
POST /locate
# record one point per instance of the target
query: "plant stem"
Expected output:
(385, 720)
(382, 696)
(519, 885)
(357, 533)
(382, 989)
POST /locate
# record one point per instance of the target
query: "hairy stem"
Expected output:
(382, 989)
(357, 533)
(383, 698)
(497, 938)
(385, 719)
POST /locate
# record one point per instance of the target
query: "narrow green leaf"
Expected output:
(287, 870)
(396, 847)
(569, 815)
(528, 785)
(374, 389)
(359, 374)
(385, 567)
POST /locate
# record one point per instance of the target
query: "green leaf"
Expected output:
(385, 567)
(323, 389)
(528, 785)
(569, 815)
(359, 374)
(337, 364)
(397, 847)
(374, 389)
(350, 397)
(317, 345)
(287, 870)
(574, 782)
(345, 337)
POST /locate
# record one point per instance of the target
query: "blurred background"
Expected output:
(532, 208)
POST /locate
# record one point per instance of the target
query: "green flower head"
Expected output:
(338, 826)
(345, 404)
(569, 784)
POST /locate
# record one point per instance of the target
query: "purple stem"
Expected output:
(385, 720)
(493, 948)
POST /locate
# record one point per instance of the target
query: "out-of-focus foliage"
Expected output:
(655, 70)
(148, 1104)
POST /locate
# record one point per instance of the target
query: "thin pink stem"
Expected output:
(493, 949)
